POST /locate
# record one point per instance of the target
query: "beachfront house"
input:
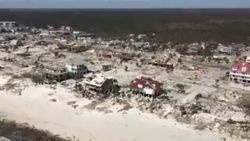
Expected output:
(146, 87)
(240, 72)
(54, 72)
(76, 67)
(100, 84)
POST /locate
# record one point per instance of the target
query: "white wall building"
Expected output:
(76, 66)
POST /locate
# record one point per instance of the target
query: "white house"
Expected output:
(76, 66)
(97, 83)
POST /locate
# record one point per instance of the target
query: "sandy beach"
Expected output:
(35, 107)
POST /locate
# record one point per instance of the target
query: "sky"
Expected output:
(124, 3)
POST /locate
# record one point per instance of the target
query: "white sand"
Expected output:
(35, 108)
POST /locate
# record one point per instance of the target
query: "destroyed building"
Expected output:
(7, 24)
(78, 48)
(147, 87)
(169, 61)
(224, 49)
(104, 53)
(64, 31)
(16, 43)
(43, 43)
(63, 69)
(55, 72)
(107, 67)
(159, 61)
(12, 26)
(193, 49)
(100, 84)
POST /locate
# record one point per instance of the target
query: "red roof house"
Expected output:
(240, 72)
(146, 86)
(241, 68)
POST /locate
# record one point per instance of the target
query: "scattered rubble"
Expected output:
(181, 81)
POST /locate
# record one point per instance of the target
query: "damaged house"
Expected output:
(61, 71)
(240, 72)
(76, 68)
(7, 24)
(64, 31)
(78, 48)
(147, 87)
(16, 43)
(104, 53)
(224, 49)
(101, 84)
(55, 73)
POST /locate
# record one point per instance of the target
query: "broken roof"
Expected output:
(97, 81)
(142, 82)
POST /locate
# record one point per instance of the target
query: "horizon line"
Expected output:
(127, 8)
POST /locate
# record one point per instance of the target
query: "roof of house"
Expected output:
(142, 82)
(97, 81)
(241, 67)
